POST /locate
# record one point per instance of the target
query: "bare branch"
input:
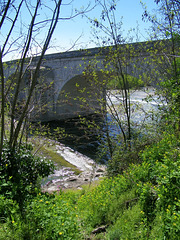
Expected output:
(5, 13)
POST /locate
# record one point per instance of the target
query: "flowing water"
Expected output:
(78, 135)
(85, 135)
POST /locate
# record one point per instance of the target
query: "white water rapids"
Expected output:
(141, 105)
(140, 109)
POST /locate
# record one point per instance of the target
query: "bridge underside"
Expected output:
(78, 97)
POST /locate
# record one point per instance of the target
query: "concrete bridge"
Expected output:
(64, 90)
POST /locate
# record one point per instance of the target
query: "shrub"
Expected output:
(122, 158)
(7, 208)
(20, 171)
(160, 194)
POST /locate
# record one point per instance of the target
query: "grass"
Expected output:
(141, 203)
(49, 151)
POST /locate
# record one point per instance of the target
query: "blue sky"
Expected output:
(69, 31)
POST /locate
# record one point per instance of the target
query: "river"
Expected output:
(86, 135)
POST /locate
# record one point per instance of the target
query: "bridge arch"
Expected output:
(80, 96)
(67, 68)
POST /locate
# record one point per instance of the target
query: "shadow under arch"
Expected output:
(81, 96)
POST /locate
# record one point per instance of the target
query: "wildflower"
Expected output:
(62, 224)
(13, 221)
(174, 224)
(60, 233)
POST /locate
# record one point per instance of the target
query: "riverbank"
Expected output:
(73, 169)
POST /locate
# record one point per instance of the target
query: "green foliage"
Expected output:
(150, 188)
(104, 203)
(122, 158)
(117, 82)
(171, 91)
(141, 203)
(161, 193)
(46, 217)
(128, 225)
(157, 180)
(54, 217)
(20, 171)
(7, 208)
(148, 199)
